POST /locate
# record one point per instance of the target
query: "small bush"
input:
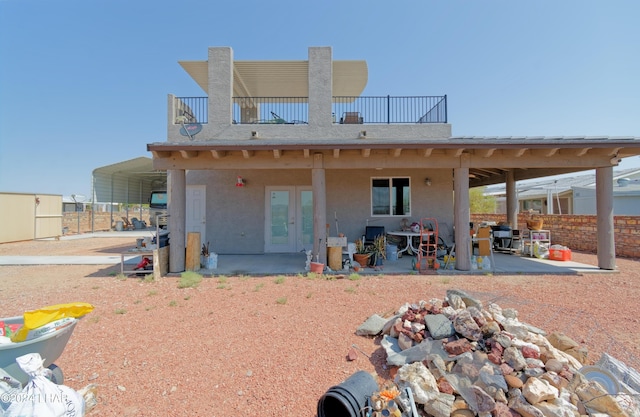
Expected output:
(120, 311)
(189, 279)
(282, 300)
(279, 280)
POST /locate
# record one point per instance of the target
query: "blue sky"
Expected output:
(83, 84)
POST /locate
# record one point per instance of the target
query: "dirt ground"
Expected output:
(272, 346)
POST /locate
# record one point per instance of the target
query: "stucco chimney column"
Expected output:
(604, 204)
(220, 86)
(177, 196)
(461, 218)
(320, 86)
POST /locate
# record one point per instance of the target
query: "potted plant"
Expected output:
(378, 250)
(362, 253)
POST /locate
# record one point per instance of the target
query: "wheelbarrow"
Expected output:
(49, 346)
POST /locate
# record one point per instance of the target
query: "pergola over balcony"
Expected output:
(282, 78)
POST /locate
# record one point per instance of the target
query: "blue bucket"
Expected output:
(392, 253)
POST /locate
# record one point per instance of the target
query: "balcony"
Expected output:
(295, 110)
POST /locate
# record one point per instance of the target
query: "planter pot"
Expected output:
(316, 267)
(209, 262)
(362, 259)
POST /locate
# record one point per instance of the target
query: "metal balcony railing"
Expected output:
(190, 110)
(295, 110)
(278, 110)
(390, 109)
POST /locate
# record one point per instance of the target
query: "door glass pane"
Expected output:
(279, 217)
(306, 202)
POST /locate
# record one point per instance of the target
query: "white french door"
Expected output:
(288, 219)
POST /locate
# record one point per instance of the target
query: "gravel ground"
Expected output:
(272, 346)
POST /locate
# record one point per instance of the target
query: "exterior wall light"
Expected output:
(427, 182)
(254, 134)
(363, 134)
(240, 182)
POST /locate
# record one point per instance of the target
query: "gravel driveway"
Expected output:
(272, 346)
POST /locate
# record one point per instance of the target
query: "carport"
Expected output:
(128, 182)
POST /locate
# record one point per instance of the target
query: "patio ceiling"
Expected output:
(282, 78)
(488, 158)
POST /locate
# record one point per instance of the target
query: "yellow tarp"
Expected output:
(37, 318)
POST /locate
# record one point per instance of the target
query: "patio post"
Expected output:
(461, 215)
(512, 201)
(604, 205)
(177, 196)
(319, 190)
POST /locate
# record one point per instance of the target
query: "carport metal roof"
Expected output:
(127, 182)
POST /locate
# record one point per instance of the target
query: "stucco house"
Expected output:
(279, 154)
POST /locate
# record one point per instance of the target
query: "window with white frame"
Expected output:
(390, 196)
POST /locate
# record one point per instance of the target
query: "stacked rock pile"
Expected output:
(461, 359)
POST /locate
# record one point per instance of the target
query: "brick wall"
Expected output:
(579, 232)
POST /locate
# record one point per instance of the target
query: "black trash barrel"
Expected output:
(349, 398)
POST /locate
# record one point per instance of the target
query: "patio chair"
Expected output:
(277, 119)
(127, 224)
(351, 118)
(371, 233)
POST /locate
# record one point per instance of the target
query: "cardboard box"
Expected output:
(336, 241)
(560, 254)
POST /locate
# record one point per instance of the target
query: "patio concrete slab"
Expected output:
(294, 263)
(287, 264)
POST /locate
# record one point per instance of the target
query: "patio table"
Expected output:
(409, 236)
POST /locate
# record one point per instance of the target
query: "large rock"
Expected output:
(372, 326)
(422, 383)
(440, 406)
(464, 324)
(484, 402)
(518, 403)
(552, 410)
(514, 358)
(417, 353)
(595, 398)
(439, 326)
(536, 390)
(468, 300)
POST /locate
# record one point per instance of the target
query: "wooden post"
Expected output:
(192, 262)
